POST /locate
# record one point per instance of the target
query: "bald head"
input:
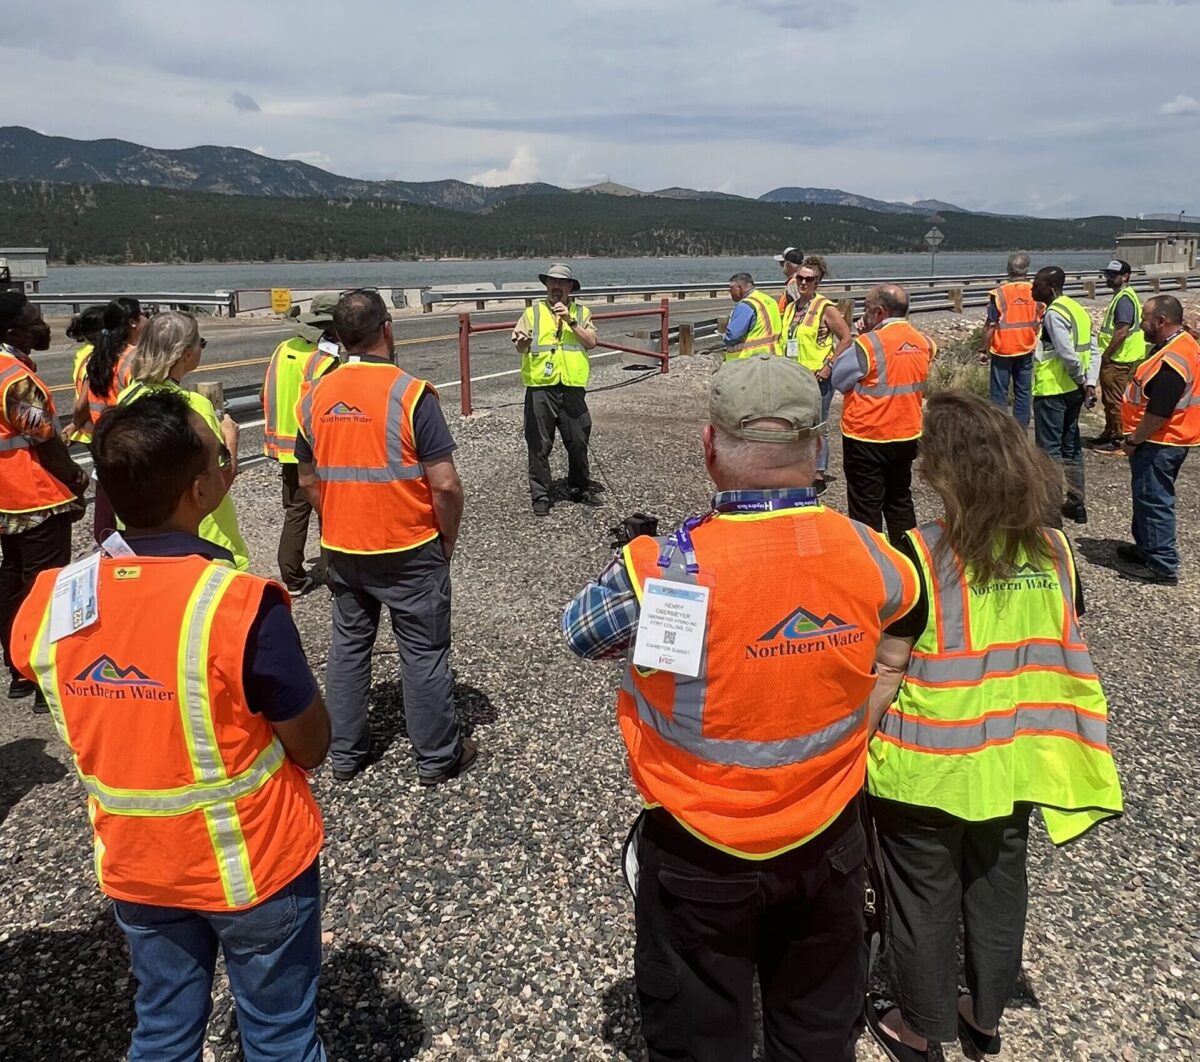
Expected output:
(1169, 308)
(1018, 264)
(890, 297)
(1048, 284)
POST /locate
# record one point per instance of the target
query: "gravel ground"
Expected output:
(488, 918)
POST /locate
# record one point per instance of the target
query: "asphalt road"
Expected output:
(238, 350)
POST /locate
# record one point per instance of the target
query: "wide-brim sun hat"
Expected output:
(560, 271)
(319, 318)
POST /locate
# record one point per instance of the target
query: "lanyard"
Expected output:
(681, 539)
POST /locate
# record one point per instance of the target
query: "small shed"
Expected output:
(1161, 253)
(23, 268)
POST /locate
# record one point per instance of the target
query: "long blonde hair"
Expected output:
(998, 489)
(165, 339)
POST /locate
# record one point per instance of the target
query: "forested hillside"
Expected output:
(119, 223)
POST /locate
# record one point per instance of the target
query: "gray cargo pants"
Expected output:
(563, 409)
(415, 588)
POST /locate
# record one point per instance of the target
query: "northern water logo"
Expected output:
(104, 677)
(344, 411)
(804, 631)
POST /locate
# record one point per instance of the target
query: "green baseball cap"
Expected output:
(764, 387)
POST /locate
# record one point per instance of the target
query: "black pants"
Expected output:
(293, 537)
(879, 483)
(48, 545)
(563, 409)
(939, 868)
(707, 922)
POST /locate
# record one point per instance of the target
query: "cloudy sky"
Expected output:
(1056, 107)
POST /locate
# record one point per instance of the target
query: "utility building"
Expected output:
(1159, 253)
(23, 268)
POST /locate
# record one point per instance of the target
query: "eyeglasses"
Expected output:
(224, 457)
(203, 342)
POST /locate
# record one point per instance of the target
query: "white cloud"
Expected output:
(313, 158)
(522, 169)
(1181, 106)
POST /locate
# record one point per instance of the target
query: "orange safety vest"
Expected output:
(767, 746)
(192, 798)
(885, 405)
(1020, 318)
(374, 494)
(25, 485)
(1183, 429)
(122, 375)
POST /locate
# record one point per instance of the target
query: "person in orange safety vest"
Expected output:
(181, 688)
(750, 637)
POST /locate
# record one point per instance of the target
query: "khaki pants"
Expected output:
(1114, 377)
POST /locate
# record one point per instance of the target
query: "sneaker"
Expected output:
(1131, 554)
(466, 760)
(541, 507)
(20, 688)
(347, 774)
(40, 707)
(1142, 573)
(1078, 513)
(1107, 449)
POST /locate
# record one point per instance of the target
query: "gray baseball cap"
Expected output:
(560, 271)
(761, 387)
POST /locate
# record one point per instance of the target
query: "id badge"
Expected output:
(671, 625)
(793, 348)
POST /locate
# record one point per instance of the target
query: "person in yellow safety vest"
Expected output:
(755, 324)
(553, 337)
(987, 705)
(1122, 347)
(306, 357)
(84, 328)
(1066, 366)
(813, 332)
(789, 263)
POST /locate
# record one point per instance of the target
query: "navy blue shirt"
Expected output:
(275, 671)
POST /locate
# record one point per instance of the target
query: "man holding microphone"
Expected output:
(552, 337)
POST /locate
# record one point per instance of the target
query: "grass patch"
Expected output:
(957, 366)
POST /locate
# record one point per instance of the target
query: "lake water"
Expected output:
(592, 271)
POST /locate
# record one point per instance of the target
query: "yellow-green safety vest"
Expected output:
(1133, 349)
(554, 358)
(1050, 376)
(763, 337)
(294, 363)
(1001, 704)
(220, 527)
(800, 333)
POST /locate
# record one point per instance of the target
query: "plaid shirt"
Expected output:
(601, 622)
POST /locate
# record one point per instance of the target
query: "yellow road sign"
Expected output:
(281, 300)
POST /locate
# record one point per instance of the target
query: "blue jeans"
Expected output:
(1019, 372)
(823, 442)
(1056, 428)
(1153, 469)
(273, 956)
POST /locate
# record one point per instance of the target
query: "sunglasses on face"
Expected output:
(224, 457)
(806, 280)
(203, 342)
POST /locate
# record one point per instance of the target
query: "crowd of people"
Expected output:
(804, 696)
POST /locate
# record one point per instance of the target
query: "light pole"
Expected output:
(933, 238)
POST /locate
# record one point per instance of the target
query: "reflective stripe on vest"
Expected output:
(1050, 376)
(805, 329)
(214, 791)
(396, 469)
(885, 404)
(280, 397)
(1021, 720)
(763, 335)
(1181, 353)
(98, 405)
(1016, 332)
(1133, 347)
(555, 358)
(25, 485)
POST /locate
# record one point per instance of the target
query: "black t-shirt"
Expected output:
(1163, 391)
(913, 624)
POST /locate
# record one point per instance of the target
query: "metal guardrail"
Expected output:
(219, 300)
(857, 285)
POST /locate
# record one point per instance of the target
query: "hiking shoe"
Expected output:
(1078, 513)
(20, 688)
(1143, 573)
(541, 507)
(1107, 449)
(466, 760)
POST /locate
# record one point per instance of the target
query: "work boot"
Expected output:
(20, 688)
(541, 507)
(1076, 512)
(467, 755)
